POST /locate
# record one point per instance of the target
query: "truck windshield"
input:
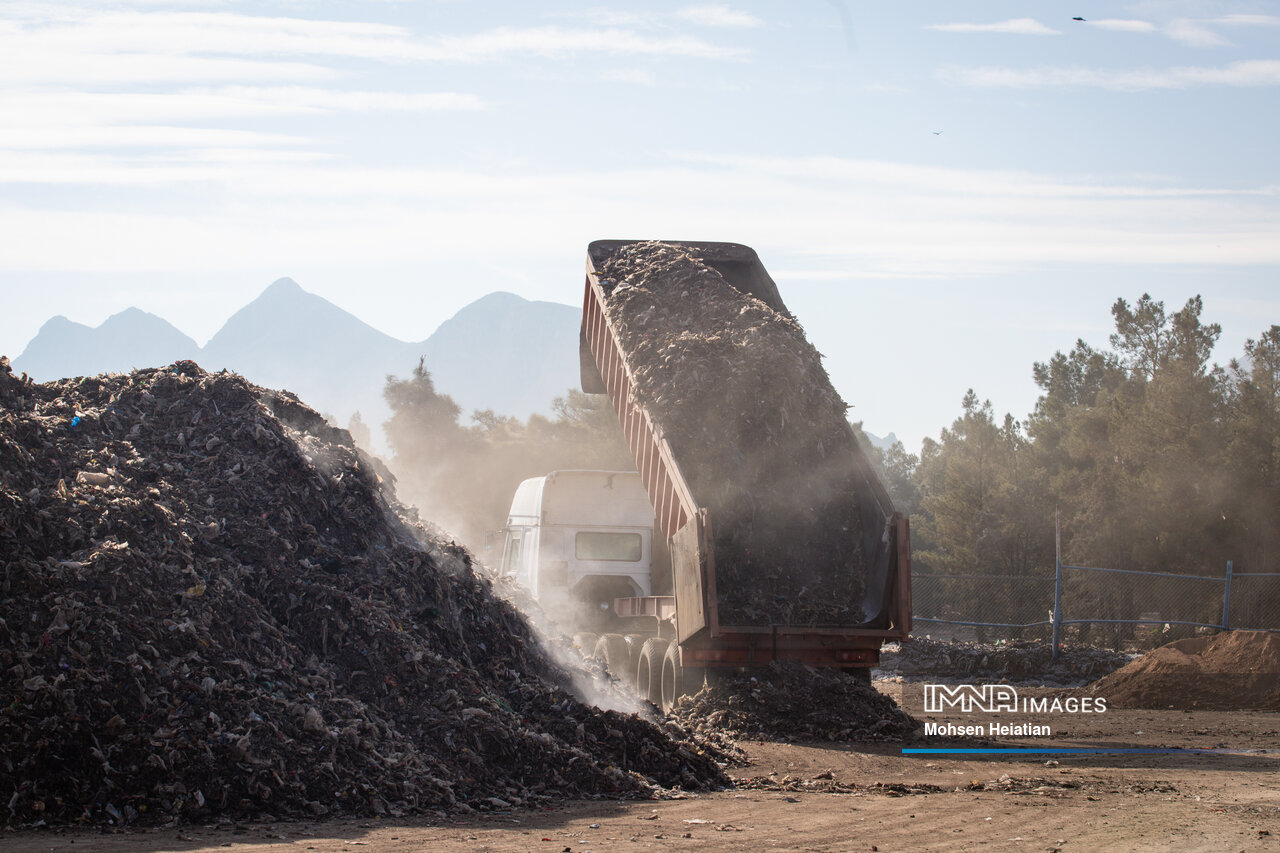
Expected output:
(607, 546)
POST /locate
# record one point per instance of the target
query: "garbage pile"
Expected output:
(758, 430)
(1230, 671)
(1017, 662)
(208, 605)
(792, 702)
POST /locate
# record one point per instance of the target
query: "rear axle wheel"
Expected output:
(649, 669)
(678, 680)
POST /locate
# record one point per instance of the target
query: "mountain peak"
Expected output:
(132, 317)
(60, 322)
(286, 325)
(283, 287)
(504, 297)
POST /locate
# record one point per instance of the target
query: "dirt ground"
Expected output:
(840, 797)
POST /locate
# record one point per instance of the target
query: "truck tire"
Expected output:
(614, 651)
(649, 669)
(634, 643)
(585, 642)
(678, 680)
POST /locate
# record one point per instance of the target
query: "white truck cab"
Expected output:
(580, 539)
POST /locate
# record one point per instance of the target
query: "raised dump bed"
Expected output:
(784, 544)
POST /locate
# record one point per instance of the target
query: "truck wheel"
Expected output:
(634, 643)
(613, 650)
(678, 680)
(649, 669)
(861, 674)
(585, 643)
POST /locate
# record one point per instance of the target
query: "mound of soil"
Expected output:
(1231, 671)
(760, 434)
(792, 702)
(209, 604)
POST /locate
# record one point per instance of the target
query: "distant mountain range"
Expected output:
(132, 338)
(501, 352)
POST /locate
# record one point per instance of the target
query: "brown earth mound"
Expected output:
(209, 605)
(1231, 671)
(759, 432)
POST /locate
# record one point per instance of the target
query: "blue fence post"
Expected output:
(1057, 582)
(1226, 600)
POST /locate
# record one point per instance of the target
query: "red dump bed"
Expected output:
(687, 527)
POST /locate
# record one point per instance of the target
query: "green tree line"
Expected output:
(1153, 457)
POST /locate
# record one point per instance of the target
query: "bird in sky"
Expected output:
(937, 133)
(1077, 19)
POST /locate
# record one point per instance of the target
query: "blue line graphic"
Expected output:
(1076, 751)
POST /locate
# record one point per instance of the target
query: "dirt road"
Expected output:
(859, 798)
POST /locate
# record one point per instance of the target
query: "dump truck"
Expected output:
(692, 622)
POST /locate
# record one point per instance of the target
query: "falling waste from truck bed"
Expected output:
(787, 701)
(760, 434)
(209, 604)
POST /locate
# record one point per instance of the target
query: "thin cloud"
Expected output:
(718, 16)
(209, 47)
(45, 108)
(507, 42)
(1123, 25)
(213, 33)
(1249, 20)
(133, 137)
(1250, 73)
(1015, 26)
(34, 67)
(314, 100)
(1193, 33)
(910, 221)
(117, 48)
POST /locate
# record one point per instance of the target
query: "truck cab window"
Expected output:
(512, 558)
(623, 547)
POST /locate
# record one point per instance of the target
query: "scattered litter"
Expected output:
(1019, 662)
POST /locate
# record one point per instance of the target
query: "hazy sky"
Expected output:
(944, 191)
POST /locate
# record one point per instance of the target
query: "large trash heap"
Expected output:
(757, 428)
(208, 606)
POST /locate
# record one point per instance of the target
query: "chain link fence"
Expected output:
(983, 607)
(1255, 601)
(1111, 608)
